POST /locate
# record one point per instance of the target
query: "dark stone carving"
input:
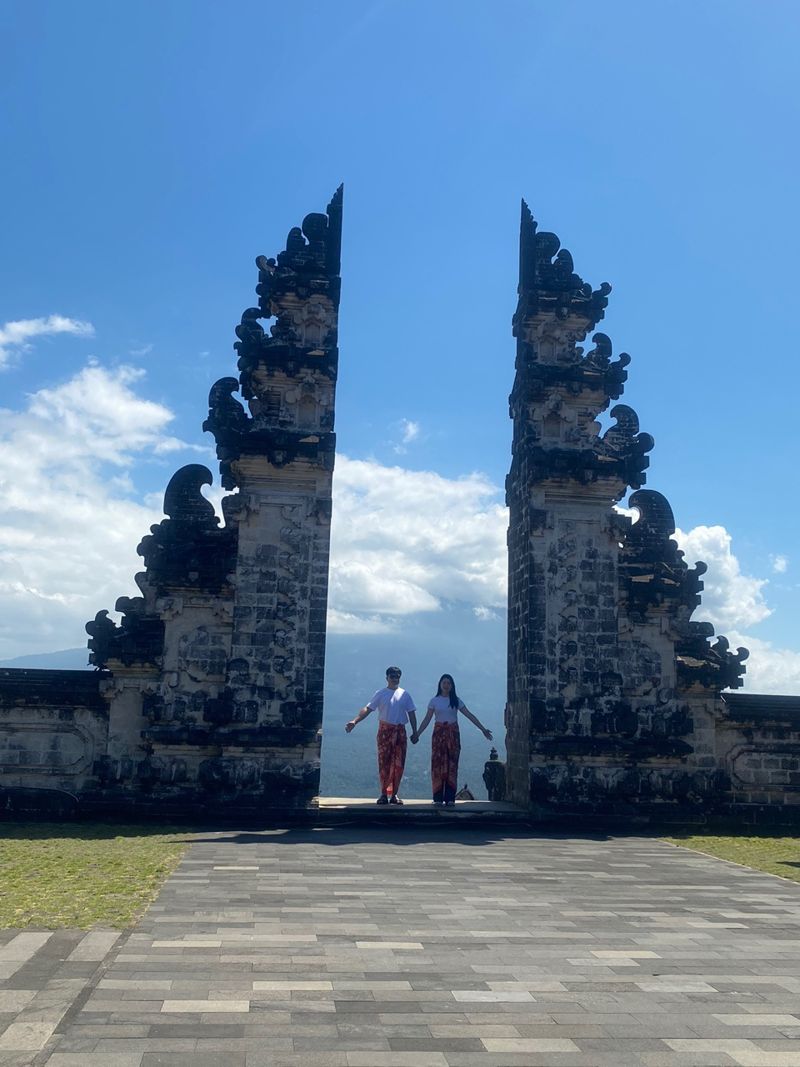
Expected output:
(102, 633)
(228, 422)
(653, 572)
(300, 290)
(139, 639)
(557, 387)
(187, 549)
(625, 447)
(652, 567)
(709, 666)
(548, 282)
(595, 372)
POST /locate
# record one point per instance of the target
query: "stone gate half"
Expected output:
(614, 692)
(210, 688)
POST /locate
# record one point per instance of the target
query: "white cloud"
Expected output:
(734, 602)
(16, 336)
(769, 669)
(730, 599)
(780, 564)
(407, 541)
(409, 431)
(485, 614)
(70, 525)
(404, 542)
(345, 622)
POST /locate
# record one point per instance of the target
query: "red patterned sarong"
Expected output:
(445, 750)
(392, 745)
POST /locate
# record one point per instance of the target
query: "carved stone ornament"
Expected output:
(299, 297)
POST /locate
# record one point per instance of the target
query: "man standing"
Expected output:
(395, 708)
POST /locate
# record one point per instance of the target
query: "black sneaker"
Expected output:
(395, 800)
(382, 799)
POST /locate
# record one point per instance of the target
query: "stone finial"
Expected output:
(298, 296)
(183, 499)
(188, 549)
(653, 572)
(548, 283)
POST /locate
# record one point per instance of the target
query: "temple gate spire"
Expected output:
(607, 698)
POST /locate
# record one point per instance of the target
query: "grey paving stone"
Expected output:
(432, 1044)
(297, 1059)
(193, 1059)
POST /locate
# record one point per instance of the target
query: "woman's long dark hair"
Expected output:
(453, 693)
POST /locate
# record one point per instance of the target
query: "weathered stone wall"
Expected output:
(53, 729)
(757, 747)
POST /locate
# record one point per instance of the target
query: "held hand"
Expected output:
(414, 738)
(349, 726)
(487, 734)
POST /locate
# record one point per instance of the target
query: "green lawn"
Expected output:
(83, 874)
(764, 852)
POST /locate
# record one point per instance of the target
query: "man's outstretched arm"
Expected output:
(363, 713)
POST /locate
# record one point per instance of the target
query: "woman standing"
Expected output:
(446, 744)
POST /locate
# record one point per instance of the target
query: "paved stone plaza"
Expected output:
(348, 947)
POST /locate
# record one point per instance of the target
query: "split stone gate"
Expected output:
(208, 693)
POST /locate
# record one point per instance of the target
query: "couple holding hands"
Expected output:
(395, 708)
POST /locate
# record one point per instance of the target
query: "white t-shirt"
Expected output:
(440, 706)
(392, 705)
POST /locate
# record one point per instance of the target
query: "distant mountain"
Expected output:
(452, 641)
(69, 659)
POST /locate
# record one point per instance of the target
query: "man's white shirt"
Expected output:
(392, 705)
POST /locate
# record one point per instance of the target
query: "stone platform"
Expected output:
(433, 946)
(333, 811)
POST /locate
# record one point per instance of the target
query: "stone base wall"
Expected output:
(73, 741)
(61, 752)
(744, 766)
(53, 730)
(757, 744)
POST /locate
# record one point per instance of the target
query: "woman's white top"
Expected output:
(440, 706)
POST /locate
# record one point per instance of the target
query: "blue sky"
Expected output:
(153, 150)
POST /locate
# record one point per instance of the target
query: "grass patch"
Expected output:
(82, 874)
(762, 852)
